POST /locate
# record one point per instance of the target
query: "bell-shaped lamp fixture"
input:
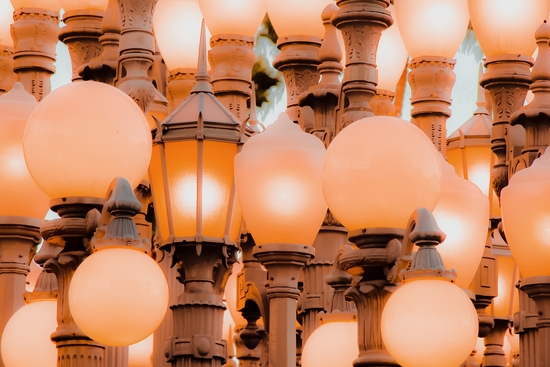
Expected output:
(507, 26)
(377, 171)
(6, 18)
(21, 195)
(526, 217)
(297, 18)
(391, 56)
(432, 27)
(462, 213)
(181, 17)
(278, 178)
(82, 136)
(237, 17)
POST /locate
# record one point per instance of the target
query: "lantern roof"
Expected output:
(201, 115)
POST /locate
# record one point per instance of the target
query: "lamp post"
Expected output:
(7, 76)
(21, 208)
(279, 188)
(300, 33)
(34, 32)
(233, 25)
(432, 77)
(198, 216)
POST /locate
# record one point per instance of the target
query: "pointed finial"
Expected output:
(202, 77)
(253, 120)
(541, 69)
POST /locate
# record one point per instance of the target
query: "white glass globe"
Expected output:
(82, 136)
(429, 323)
(377, 171)
(73, 5)
(118, 296)
(332, 344)
(140, 353)
(26, 338)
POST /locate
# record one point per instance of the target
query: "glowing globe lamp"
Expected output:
(377, 171)
(442, 22)
(429, 322)
(112, 289)
(21, 196)
(82, 136)
(278, 178)
(303, 20)
(178, 17)
(237, 17)
(507, 26)
(332, 344)
(6, 18)
(74, 5)
(31, 326)
(391, 56)
(140, 354)
(462, 213)
(526, 217)
(52, 5)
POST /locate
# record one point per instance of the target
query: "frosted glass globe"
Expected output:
(181, 17)
(432, 27)
(72, 5)
(140, 354)
(278, 180)
(507, 26)
(6, 18)
(26, 338)
(52, 5)
(462, 213)
(332, 344)
(83, 135)
(297, 18)
(21, 196)
(429, 323)
(239, 17)
(526, 217)
(391, 56)
(377, 171)
(118, 296)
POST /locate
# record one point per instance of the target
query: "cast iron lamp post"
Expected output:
(278, 177)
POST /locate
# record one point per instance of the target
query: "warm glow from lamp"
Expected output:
(462, 213)
(297, 18)
(140, 354)
(239, 17)
(182, 17)
(432, 27)
(332, 344)
(429, 323)
(118, 296)
(378, 170)
(506, 303)
(52, 5)
(72, 5)
(526, 217)
(6, 19)
(391, 56)
(20, 194)
(278, 178)
(231, 295)
(31, 327)
(82, 136)
(507, 26)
